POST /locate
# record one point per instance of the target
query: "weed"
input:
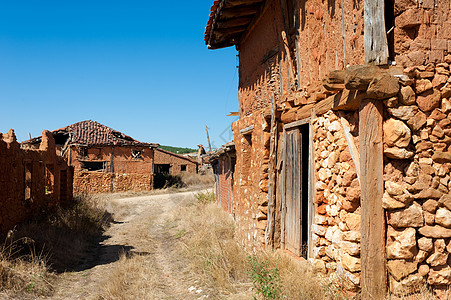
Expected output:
(265, 278)
(205, 197)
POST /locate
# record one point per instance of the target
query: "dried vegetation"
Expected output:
(56, 241)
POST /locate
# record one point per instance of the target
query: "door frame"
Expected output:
(309, 185)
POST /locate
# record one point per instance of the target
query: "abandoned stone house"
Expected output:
(343, 146)
(104, 160)
(172, 163)
(31, 180)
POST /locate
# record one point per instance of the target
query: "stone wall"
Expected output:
(417, 137)
(31, 180)
(336, 221)
(223, 169)
(104, 182)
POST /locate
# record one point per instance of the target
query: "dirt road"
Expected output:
(144, 228)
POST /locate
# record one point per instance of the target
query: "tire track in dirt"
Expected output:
(143, 226)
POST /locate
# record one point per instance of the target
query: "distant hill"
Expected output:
(178, 150)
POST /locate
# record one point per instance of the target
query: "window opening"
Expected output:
(28, 181)
(162, 168)
(183, 168)
(137, 154)
(93, 165)
(83, 151)
(389, 8)
(49, 179)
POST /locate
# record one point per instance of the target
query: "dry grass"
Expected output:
(131, 278)
(198, 180)
(218, 261)
(23, 276)
(53, 242)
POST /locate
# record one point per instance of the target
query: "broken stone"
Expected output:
(445, 201)
(350, 248)
(440, 276)
(438, 132)
(391, 102)
(425, 244)
(423, 270)
(437, 259)
(411, 284)
(393, 188)
(442, 157)
(429, 193)
(401, 268)
(443, 217)
(404, 245)
(390, 203)
(352, 236)
(350, 263)
(403, 112)
(319, 266)
(398, 153)
(409, 217)
(429, 100)
(407, 95)
(396, 133)
(352, 220)
(383, 86)
(422, 85)
(359, 77)
(430, 205)
(436, 231)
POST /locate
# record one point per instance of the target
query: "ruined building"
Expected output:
(104, 160)
(343, 146)
(31, 180)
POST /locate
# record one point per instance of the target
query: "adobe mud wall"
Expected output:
(175, 161)
(223, 170)
(30, 180)
(120, 171)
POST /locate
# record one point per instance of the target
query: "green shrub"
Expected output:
(265, 278)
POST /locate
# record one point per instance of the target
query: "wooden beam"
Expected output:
(270, 225)
(232, 3)
(374, 275)
(344, 100)
(375, 36)
(239, 11)
(351, 144)
(230, 23)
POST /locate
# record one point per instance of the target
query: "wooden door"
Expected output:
(293, 191)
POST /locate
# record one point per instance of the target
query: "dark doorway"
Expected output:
(162, 168)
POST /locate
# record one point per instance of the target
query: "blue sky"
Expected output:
(140, 67)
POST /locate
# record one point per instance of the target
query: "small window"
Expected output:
(183, 168)
(93, 165)
(83, 151)
(137, 154)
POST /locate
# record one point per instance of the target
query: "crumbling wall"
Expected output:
(100, 182)
(422, 32)
(175, 161)
(417, 148)
(251, 179)
(121, 170)
(31, 180)
(223, 169)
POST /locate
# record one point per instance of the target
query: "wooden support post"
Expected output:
(375, 36)
(270, 226)
(374, 275)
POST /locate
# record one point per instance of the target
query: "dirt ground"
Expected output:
(143, 226)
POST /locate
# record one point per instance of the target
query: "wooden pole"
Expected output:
(373, 261)
(208, 138)
(375, 36)
(270, 225)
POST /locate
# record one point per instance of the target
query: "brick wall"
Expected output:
(30, 179)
